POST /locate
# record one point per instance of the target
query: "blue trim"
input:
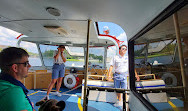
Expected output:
(150, 86)
(136, 87)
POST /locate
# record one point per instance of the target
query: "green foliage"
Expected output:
(168, 50)
(48, 53)
(100, 58)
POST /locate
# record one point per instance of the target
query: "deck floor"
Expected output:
(73, 101)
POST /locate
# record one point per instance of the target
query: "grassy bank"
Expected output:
(151, 56)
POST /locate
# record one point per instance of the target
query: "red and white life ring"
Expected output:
(71, 81)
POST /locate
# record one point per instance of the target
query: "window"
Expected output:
(96, 57)
(31, 48)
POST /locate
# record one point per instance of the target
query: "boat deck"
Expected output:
(75, 103)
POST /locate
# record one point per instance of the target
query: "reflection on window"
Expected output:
(157, 58)
(139, 52)
(31, 48)
(161, 52)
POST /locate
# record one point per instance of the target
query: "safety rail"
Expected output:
(143, 91)
(118, 90)
(165, 89)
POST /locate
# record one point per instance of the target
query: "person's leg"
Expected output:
(55, 72)
(124, 86)
(59, 82)
(117, 85)
(60, 78)
(51, 86)
(119, 96)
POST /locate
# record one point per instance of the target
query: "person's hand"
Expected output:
(59, 51)
(137, 78)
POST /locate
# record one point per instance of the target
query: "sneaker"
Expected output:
(46, 97)
(118, 104)
(57, 94)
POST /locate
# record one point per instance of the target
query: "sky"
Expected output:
(8, 37)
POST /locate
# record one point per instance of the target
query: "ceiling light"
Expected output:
(53, 11)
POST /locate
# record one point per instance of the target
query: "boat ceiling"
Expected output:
(31, 18)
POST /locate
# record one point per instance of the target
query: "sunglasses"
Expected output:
(123, 48)
(26, 64)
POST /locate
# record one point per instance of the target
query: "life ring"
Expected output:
(77, 81)
(70, 81)
(169, 79)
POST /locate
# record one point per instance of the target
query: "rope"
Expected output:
(71, 89)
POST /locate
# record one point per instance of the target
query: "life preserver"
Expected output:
(70, 81)
(77, 81)
(168, 77)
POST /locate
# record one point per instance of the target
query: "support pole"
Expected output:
(177, 29)
(124, 101)
(105, 56)
(86, 70)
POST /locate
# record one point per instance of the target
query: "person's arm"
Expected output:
(137, 77)
(109, 78)
(62, 56)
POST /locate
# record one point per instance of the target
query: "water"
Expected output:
(159, 59)
(49, 61)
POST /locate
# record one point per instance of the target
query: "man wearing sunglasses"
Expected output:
(120, 65)
(14, 66)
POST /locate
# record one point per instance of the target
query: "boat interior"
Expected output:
(155, 33)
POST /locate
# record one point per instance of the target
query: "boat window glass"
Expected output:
(9, 38)
(96, 57)
(31, 48)
(47, 54)
(74, 55)
(161, 52)
(160, 62)
(139, 52)
(113, 30)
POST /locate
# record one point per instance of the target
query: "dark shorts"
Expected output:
(58, 71)
(120, 81)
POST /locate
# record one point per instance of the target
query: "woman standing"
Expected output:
(58, 71)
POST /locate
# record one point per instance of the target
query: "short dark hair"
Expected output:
(61, 46)
(10, 56)
(122, 46)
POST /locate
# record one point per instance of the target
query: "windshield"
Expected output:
(74, 55)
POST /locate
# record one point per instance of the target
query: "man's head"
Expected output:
(61, 48)
(122, 49)
(14, 61)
